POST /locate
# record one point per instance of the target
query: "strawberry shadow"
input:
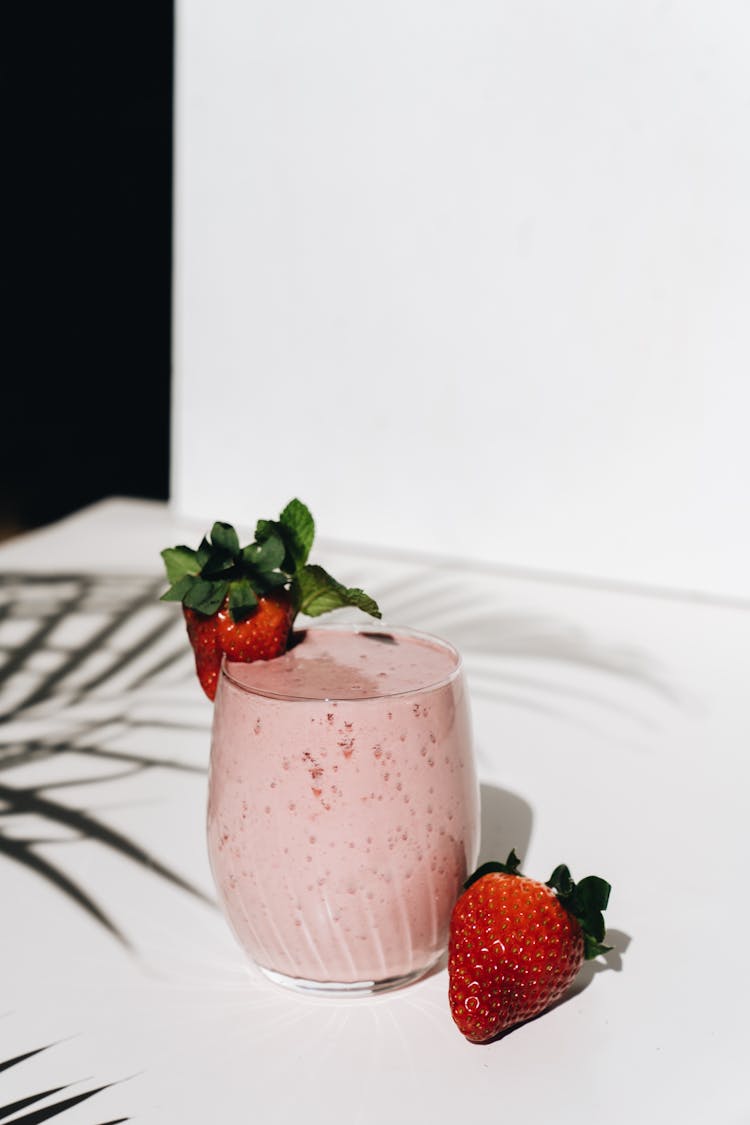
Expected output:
(608, 963)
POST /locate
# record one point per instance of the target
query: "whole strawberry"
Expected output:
(241, 602)
(517, 944)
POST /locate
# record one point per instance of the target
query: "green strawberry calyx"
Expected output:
(220, 569)
(585, 900)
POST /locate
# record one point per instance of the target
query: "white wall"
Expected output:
(471, 276)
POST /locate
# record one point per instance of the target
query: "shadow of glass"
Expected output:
(506, 821)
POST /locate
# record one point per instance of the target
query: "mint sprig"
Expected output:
(220, 569)
(295, 528)
(316, 592)
(183, 562)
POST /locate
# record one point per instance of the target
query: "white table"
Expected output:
(612, 733)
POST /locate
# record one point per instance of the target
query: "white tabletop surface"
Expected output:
(612, 733)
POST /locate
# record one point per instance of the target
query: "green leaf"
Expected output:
(356, 597)
(204, 552)
(180, 561)
(591, 898)
(560, 880)
(242, 599)
(317, 592)
(206, 597)
(177, 592)
(296, 529)
(266, 529)
(593, 948)
(265, 581)
(594, 892)
(585, 901)
(299, 526)
(224, 536)
(266, 555)
(218, 564)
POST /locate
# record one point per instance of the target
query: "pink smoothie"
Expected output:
(343, 804)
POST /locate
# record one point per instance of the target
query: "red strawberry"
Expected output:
(517, 944)
(262, 635)
(241, 601)
(203, 637)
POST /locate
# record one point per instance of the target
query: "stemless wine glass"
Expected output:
(343, 806)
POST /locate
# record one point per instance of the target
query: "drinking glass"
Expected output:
(343, 806)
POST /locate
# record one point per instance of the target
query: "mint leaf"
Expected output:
(242, 599)
(266, 580)
(296, 529)
(206, 597)
(267, 529)
(180, 561)
(317, 592)
(180, 588)
(224, 536)
(299, 528)
(264, 528)
(204, 551)
(266, 555)
(218, 564)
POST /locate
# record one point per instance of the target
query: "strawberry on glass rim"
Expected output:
(241, 602)
(517, 944)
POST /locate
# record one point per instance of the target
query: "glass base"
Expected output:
(345, 988)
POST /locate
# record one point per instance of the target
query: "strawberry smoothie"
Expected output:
(343, 806)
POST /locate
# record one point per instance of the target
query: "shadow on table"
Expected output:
(35, 1117)
(506, 821)
(77, 652)
(511, 654)
(609, 962)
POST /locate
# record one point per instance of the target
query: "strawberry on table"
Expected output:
(516, 944)
(241, 602)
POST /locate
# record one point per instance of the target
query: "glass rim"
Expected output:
(333, 627)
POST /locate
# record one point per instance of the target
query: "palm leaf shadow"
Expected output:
(495, 640)
(104, 609)
(37, 1116)
(23, 852)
